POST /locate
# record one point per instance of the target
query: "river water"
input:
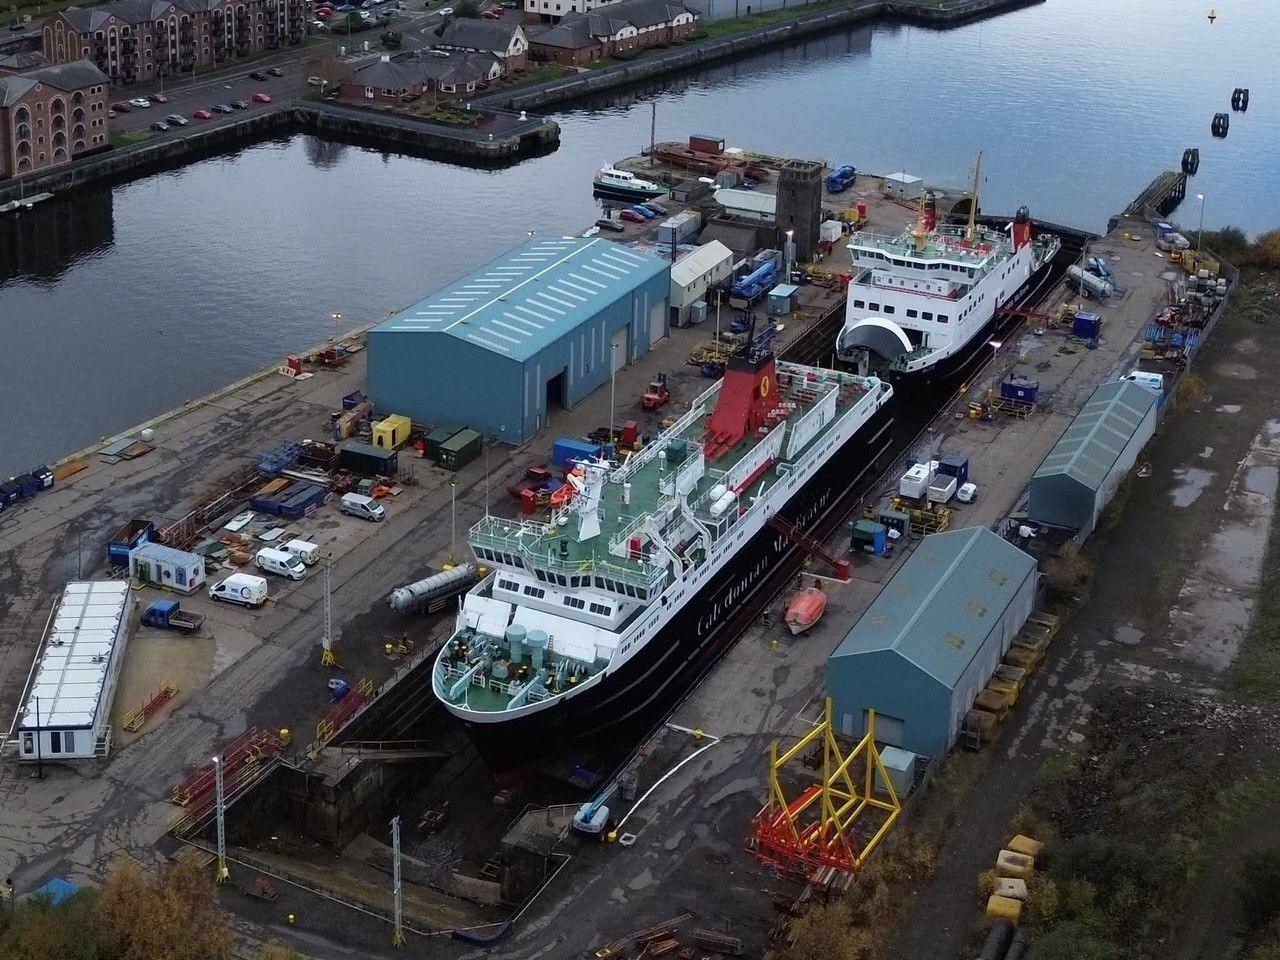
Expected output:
(116, 305)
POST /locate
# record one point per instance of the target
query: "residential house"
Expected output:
(443, 75)
(504, 39)
(51, 115)
(139, 40)
(613, 30)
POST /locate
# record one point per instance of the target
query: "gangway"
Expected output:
(811, 546)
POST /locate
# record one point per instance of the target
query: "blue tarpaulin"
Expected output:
(57, 890)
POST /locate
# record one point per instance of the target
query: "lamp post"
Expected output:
(220, 799)
(1200, 232)
(995, 352)
(453, 520)
(613, 380)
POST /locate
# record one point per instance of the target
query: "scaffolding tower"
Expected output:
(835, 823)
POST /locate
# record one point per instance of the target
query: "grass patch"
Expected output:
(1255, 673)
(724, 28)
(130, 138)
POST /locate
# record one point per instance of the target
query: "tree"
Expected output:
(39, 931)
(176, 918)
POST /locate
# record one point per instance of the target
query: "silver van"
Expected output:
(358, 505)
(280, 563)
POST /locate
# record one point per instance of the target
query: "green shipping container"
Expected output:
(459, 450)
(436, 439)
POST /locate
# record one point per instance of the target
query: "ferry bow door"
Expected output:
(618, 350)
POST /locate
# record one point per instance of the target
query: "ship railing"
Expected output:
(952, 248)
(511, 535)
(651, 450)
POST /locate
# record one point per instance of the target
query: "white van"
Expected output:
(242, 588)
(281, 563)
(304, 550)
(358, 505)
(1152, 381)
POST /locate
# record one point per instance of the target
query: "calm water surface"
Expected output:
(117, 305)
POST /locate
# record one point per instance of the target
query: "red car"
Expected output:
(158, 98)
(261, 97)
(492, 15)
(630, 216)
(202, 114)
(121, 107)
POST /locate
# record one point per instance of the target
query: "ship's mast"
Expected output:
(973, 200)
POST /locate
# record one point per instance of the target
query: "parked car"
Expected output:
(240, 104)
(121, 107)
(345, 7)
(358, 505)
(644, 212)
(241, 588)
(111, 114)
(314, 82)
(386, 14)
(275, 71)
(323, 15)
(142, 103)
(605, 223)
(222, 108)
(158, 98)
(176, 120)
(257, 75)
(445, 11)
(160, 127)
(318, 26)
(202, 114)
(492, 15)
(261, 97)
(280, 563)
(655, 207)
(631, 216)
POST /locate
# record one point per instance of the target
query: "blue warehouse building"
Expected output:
(539, 328)
(931, 640)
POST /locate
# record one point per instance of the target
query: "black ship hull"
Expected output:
(630, 700)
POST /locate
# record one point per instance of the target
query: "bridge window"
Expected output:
(536, 592)
(888, 308)
(601, 609)
(873, 306)
(575, 602)
(942, 318)
(859, 304)
(912, 314)
(926, 315)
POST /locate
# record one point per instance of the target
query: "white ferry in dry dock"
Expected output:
(922, 305)
(616, 605)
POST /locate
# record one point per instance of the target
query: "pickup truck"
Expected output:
(167, 615)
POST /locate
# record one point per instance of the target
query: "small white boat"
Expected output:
(24, 203)
(624, 185)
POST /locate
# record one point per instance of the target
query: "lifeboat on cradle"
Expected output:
(805, 609)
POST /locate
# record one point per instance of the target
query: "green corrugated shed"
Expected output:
(1077, 478)
(932, 638)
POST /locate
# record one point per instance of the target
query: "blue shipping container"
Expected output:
(566, 449)
(1086, 326)
(1020, 390)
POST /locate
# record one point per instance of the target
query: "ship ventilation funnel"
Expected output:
(536, 641)
(515, 641)
(882, 337)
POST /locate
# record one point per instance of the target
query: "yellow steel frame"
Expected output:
(843, 801)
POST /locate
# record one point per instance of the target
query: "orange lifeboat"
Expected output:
(806, 609)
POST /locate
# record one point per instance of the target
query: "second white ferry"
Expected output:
(922, 305)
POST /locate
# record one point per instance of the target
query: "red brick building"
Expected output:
(50, 116)
(612, 30)
(139, 40)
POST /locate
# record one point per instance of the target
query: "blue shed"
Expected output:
(931, 640)
(539, 328)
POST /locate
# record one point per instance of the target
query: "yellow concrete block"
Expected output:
(1012, 888)
(1025, 845)
(1018, 865)
(1005, 687)
(1003, 908)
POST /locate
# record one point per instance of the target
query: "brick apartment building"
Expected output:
(610, 30)
(51, 115)
(139, 40)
